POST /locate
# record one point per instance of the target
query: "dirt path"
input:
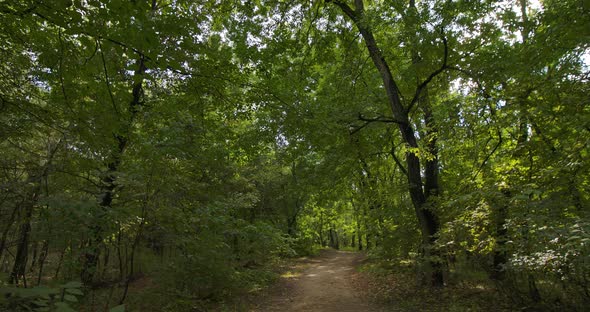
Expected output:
(323, 286)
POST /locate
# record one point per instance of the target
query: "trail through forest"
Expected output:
(325, 285)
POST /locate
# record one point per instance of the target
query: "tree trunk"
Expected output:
(109, 181)
(358, 225)
(332, 244)
(27, 206)
(7, 230)
(321, 231)
(35, 256)
(359, 235)
(60, 262)
(134, 246)
(21, 258)
(500, 256)
(426, 218)
(42, 258)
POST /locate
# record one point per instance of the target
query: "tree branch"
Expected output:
(425, 83)
(368, 121)
(346, 9)
(106, 77)
(380, 119)
(500, 140)
(398, 162)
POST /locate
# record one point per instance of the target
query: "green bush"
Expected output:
(40, 298)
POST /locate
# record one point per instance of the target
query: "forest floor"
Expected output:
(323, 283)
(341, 281)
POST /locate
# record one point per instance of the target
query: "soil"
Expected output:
(324, 285)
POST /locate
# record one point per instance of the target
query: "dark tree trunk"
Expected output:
(426, 218)
(42, 258)
(105, 260)
(292, 220)
(431, 189)
(60, 262)
(332, 244)
(500, 257)
(321, 231)
(21, 258)
(35, 256)
(134, 246)
(7, 230)
(109, 182)
(27, 206)
(357, 217)
(360, 237)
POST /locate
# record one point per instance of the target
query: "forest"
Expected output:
(174, 153)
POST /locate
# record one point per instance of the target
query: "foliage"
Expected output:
(41, 298)
(197, 142)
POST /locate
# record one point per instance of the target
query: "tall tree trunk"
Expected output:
(35, 256)
(500, 257)
(359, 235)
(27, 206)
(357, 217)
(22, 251)
(134, 247)
(60, 262)
(109, 181)
(332, 243)
(321, 230)
(426, 218)
(42, 258)
(4, 238)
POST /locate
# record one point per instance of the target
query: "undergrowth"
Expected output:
(395, 285)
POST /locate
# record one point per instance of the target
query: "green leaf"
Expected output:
(41, 303)
(119, 308)
(63, 307)
(70, 298)
(74, 291)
